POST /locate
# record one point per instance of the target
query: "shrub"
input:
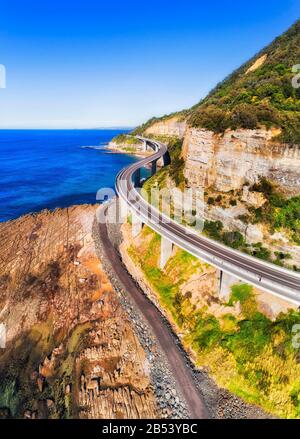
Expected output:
(261, 97)
(233, 239)
(212, 118)
(262, 253)
(240, 293)
(213, 229)
(244, 116)
(278, 212)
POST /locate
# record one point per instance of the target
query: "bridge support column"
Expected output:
(137, 178)
(122, 210)
(226, 282)
(166, 249)
(137, 226)
(166, 159)
(154, 167)
(145, 147)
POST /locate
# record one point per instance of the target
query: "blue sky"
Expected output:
(94, 63)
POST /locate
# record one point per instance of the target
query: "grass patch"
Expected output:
(240, 293)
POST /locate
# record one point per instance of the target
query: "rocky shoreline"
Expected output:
(57, 273)
(70, 349)
(125, 149)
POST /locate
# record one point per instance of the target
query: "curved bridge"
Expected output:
(263, 275)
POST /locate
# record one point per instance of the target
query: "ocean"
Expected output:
(54, 168)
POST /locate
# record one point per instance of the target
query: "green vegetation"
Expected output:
(142, 128)
(125, 139)
(263, 96)
(252, 98)
(215, 230)
(181, 115)
(246, 353)
(258, 360)
(181, 266)
(278, 213)
(240, 293)
(176, 167)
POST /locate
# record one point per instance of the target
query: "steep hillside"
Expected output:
(244, 135)
(241, 147)
(258, 93)
(245, 331)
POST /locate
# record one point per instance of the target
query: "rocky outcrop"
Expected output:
(128, 148)
(71, 350)
(168, 127)
(226, 162)
(255, 199)
(114, 381)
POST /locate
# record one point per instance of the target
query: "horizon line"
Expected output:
(68, 128)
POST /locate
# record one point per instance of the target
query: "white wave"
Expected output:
(93, 147)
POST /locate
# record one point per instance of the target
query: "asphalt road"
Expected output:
(176, 359)
(266, 276)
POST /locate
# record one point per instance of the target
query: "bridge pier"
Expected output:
(137, 178)
(166, 159)
(137, 225)
(166, 249)
(226, 282)
(122, 210)
(153, 167)
(145, 146)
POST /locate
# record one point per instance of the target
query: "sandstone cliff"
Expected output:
(228, 161)
(226, 142)
(173, 126)
(227, 165)
(70, 349)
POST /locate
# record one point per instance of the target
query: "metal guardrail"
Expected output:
(263, 275)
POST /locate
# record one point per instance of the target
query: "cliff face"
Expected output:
(229, 161)
(225, 142)
(71, 350)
